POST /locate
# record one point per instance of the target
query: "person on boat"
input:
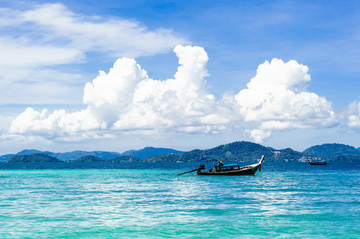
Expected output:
(220, 165)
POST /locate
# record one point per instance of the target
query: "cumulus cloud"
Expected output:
(277, 98)
(57, 124)
(127, 100)
(110, 95)
(179, 102)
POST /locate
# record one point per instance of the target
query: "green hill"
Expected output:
(89, 158)
(74, 155)
(237, 151)
(287, 155)
(32, 158)
(150, 152)
(332, 150)
(5, 157)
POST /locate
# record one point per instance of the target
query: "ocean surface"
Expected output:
(285, 200)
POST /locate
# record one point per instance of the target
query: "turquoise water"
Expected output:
(289, 200)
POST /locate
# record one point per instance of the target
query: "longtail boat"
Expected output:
(218, 168)
(313, 162)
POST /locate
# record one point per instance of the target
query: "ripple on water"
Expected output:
(155, 203)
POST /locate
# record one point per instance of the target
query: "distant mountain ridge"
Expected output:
(64, 156)
(74, 155)
(332, 150)
(232, 152)
(93, 158)
(247, 151)
(151, 151)
(236, 151)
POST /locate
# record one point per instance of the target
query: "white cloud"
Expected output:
(25, 66)
(110, 95)
(277, 98)
(179, 101)
(55, 24)
(39, 40)
(19, 54)
(59, 124)
(127, 100)
(353, 115)
(258, 135)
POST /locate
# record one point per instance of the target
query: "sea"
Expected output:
(150, 200)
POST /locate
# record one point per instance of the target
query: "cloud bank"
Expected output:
(53, 27)
(35, 44)
(126, 100)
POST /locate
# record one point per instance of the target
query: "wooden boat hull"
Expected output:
(246, 170)
(317, 163)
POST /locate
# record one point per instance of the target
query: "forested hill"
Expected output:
(247, 151)
(151, 151)
(232, 152)
(332, 150)
(36, 157)
(77, 154)
(236, 151)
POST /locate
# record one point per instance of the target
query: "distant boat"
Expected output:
(313, 162)
(228, 169)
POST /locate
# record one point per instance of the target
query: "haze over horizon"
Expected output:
(115, 76)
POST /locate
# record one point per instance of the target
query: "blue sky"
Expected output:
(186, 74)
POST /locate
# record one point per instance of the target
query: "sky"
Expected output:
(118, 75)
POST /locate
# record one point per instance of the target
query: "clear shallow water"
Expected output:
(285, 200)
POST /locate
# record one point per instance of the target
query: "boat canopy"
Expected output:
(230, 165)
